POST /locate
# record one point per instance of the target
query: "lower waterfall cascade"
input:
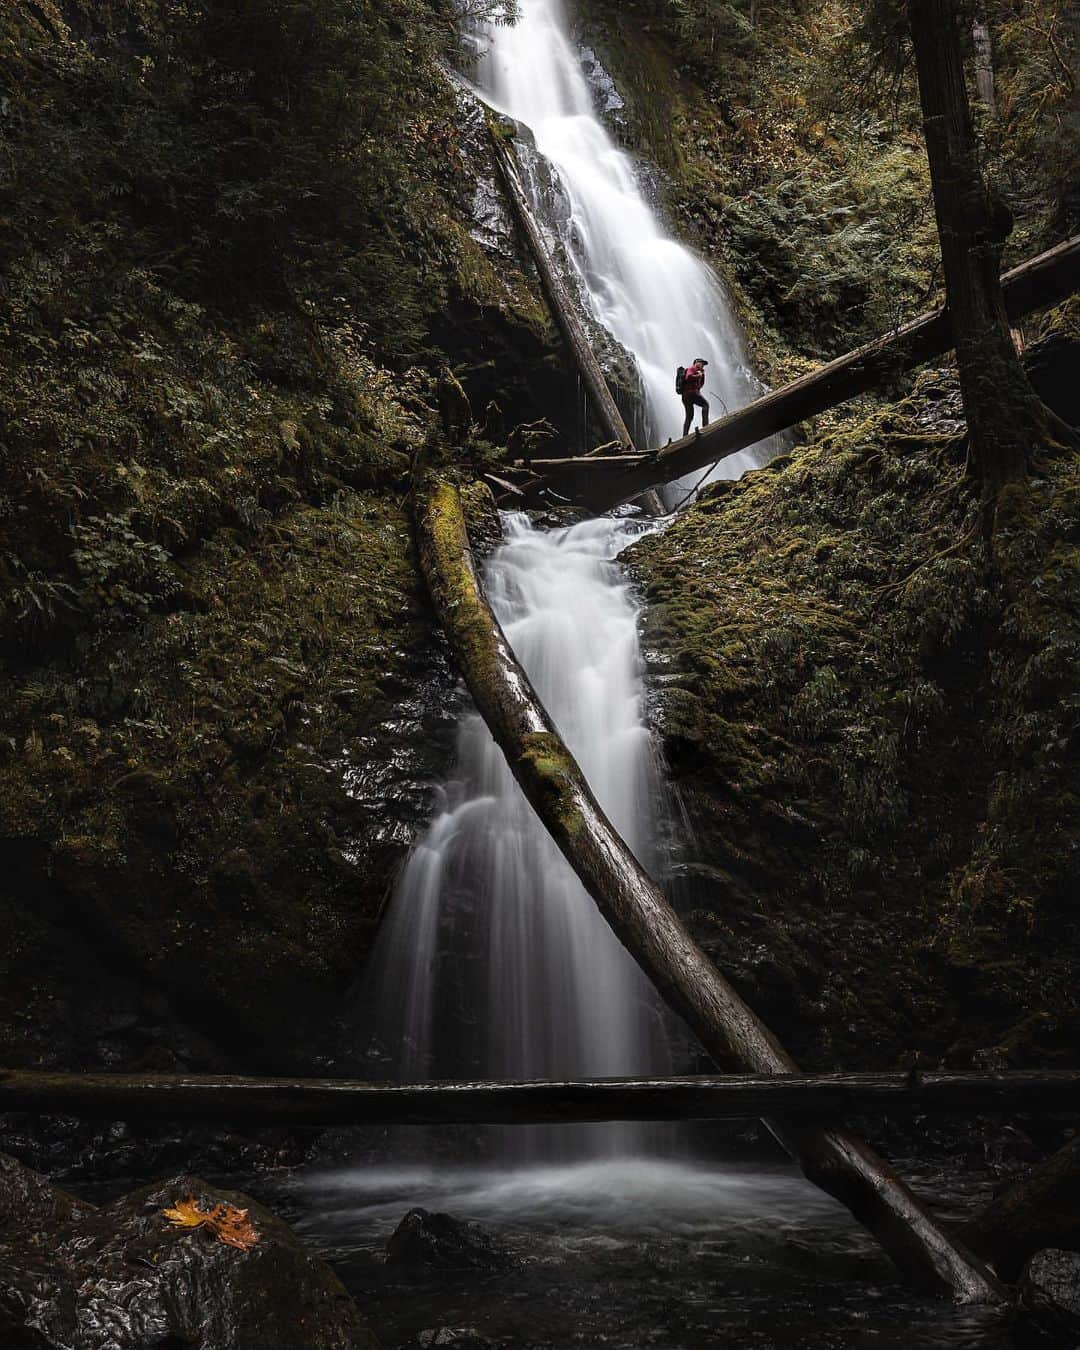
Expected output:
(493, 960)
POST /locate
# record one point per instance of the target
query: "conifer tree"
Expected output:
(1007, 421)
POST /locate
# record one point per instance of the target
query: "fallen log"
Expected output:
(288, 1101)
(1039, 282)
(643, 919)
(1041, 1209)
(563, 311)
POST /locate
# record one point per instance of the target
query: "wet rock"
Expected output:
(461, 1338)
(122, 1277)
(1050, 1294)
(424, 1241)
(29, 1202)
(482, 518)
(607, 97)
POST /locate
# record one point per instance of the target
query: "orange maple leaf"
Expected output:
(187, 1214)
(235, 1228)
(228, 1224)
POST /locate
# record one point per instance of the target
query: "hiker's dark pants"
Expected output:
(690, 402)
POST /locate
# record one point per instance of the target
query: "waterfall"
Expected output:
(493, 960)
(661, 302)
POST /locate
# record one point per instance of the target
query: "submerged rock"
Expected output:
(122, 1277)
(424, 1241)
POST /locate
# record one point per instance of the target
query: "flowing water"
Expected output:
(659, 300)
(492, 961)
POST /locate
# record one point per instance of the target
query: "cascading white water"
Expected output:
(660, 301)
(493, 959)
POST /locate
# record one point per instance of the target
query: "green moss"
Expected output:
(871, 713)
(802, 178)
(506, 290)
(556, 774)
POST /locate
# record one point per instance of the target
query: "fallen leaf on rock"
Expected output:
(236, 1228)
(228, 1224)
(187, 1214)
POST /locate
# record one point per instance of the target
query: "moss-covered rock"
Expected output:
(871, 713)
(213, 809)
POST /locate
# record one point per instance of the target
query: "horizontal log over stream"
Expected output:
(347, 1101)
(601, 484)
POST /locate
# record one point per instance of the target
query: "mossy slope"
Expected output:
(791, 155)
(236, 254)
(871, 713)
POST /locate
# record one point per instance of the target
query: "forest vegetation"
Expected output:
(237, 256)
(250, 286)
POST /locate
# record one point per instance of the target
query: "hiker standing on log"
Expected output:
(693, 378)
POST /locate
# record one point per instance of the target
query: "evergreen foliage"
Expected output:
(792, 142)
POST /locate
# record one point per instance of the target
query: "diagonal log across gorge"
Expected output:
(645, 922)
(601, 483)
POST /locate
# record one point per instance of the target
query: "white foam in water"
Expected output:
(636, 1194)
(661, 301)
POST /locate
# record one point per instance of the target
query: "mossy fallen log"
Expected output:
(646, 923)
(1041, 1209)
(287, 1101)
(601, 484)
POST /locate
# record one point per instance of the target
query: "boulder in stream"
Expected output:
(122, 1277)
(461, 1338)
(424, 1242)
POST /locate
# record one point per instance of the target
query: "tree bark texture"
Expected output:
(1006, 420)
(984, 63)
(605, 482)
(349, 1101)
(645, 922)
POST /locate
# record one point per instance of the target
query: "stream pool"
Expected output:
(632, 1253)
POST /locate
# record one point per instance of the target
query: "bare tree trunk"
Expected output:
(984, 63)
(565, 316)
(1006, 420)
(582, 354)
(645, 922)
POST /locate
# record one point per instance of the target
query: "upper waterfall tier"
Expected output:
(660, 301)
